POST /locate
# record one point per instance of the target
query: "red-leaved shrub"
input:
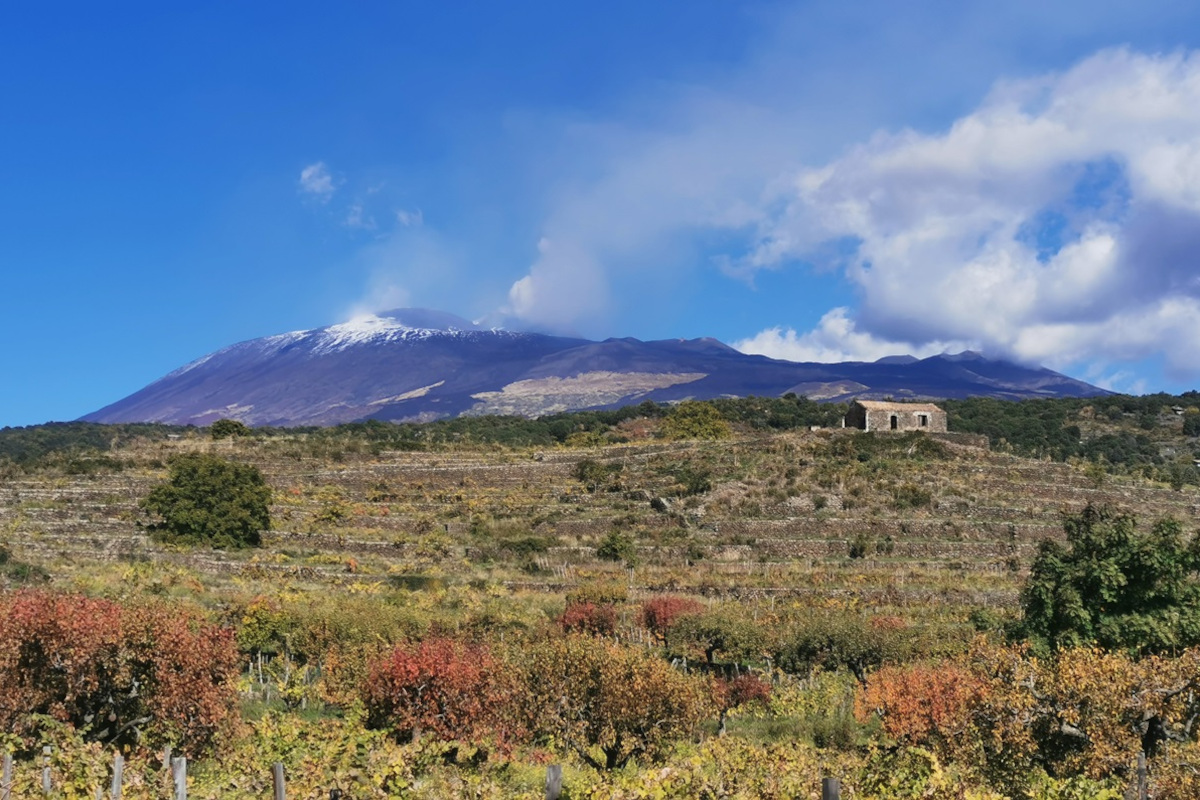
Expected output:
(658, 614)
(122, 675)
(742, 690)
(440, 687)
(596, 619)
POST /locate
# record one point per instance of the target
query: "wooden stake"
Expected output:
(554, 781)
(279, 781)
(831, 789)
(6, 778)
(179, 772)
(46, 769)
(118, 775)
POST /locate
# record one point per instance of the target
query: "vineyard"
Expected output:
(703, 610)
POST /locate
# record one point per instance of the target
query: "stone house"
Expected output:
(878, 415)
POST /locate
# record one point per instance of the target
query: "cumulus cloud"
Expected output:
(835, 338)
(316, 180)
(1059, 222)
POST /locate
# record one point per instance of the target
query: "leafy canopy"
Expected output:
(209, 500)
(1114, 586)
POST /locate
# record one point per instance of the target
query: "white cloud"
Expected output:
(316, 180)
(1059, 222)
(645, 193)
(835, 339)
(564, 287)
(410, 219)
(358, 218)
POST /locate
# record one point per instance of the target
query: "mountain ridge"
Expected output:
(419, 365)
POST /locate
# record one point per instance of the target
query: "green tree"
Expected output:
(212, 501)
(1114, 586)
(617, 546)
(729, 633)
(228, 428)
(1191, 424)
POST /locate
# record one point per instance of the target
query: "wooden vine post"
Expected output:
(279, 782)
(46, 769)
(554, 781)
(118, 775)
(179, 773)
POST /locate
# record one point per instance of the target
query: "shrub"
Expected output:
(122, 675)
(743, 690)
(439, 687)
(694, 419)
(617, 546)
(208, 500)
(1191, 424)
(590, 618)
(910, 495)
(596, 475)
(658, 614)
(919, 704)
(607, 702)
(228, 428)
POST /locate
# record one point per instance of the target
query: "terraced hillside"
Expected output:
(881, 520)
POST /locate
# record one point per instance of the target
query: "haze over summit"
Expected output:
(804, 181)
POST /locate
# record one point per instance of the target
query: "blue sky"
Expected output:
(813, 180)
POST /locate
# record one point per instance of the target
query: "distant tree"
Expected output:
(210, 501)
(618, 546)
(228, 429)
(1191, 424)
(1114, 586)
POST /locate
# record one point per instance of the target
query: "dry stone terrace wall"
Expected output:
(987, 510)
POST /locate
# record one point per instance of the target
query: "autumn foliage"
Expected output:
(122, 675)
(438, 687)
(598, 619)
(743, 690)
(921, 704)
(607, 702)
(658, 614)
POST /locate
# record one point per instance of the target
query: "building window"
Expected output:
(923, 420)
(895, 422)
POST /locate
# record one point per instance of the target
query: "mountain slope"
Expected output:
(415, 364)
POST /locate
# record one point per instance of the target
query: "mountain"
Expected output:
(418, 365)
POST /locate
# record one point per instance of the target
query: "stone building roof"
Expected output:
(883, 405)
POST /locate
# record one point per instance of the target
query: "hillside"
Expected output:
(810, 562)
